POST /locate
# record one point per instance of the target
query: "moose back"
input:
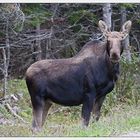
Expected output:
(83, 79)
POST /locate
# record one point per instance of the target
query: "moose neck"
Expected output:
(114, 68)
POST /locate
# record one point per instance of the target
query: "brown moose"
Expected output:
(83, 79)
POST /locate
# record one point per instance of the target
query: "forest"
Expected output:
(30, 32)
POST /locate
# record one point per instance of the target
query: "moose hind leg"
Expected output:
(38, 105)
(46, 108)
(37, 120)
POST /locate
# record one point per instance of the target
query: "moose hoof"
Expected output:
(36, 130)
(84, 125)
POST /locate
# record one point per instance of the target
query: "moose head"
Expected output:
(114, 38)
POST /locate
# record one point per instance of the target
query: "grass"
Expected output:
(120, 119)
(115, 123)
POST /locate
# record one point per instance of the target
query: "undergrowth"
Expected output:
(120, 111)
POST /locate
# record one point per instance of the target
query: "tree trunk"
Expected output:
(5, 73)
(49, 40)
(107, 13)
(38, 43)
(126, 44)
(6, 60)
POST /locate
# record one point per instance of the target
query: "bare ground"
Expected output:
(132, 134)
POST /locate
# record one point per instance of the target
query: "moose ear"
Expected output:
(126, 29)
(103, 27)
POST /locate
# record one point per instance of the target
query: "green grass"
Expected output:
(115, 123)
(115, 120)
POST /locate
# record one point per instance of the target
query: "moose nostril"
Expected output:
(115, 56)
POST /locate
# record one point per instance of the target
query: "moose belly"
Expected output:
(66, 95)
(70, 99)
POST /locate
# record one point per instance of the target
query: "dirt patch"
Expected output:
(132, 134)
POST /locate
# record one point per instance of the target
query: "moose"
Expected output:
(85, 78)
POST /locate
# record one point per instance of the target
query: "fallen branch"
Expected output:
(9, 108)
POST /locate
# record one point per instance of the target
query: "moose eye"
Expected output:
(122, 38)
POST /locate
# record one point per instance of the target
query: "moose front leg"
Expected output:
(97, 108)
(87, 108)
(100, 99)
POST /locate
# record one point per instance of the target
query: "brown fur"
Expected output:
(84, 79)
